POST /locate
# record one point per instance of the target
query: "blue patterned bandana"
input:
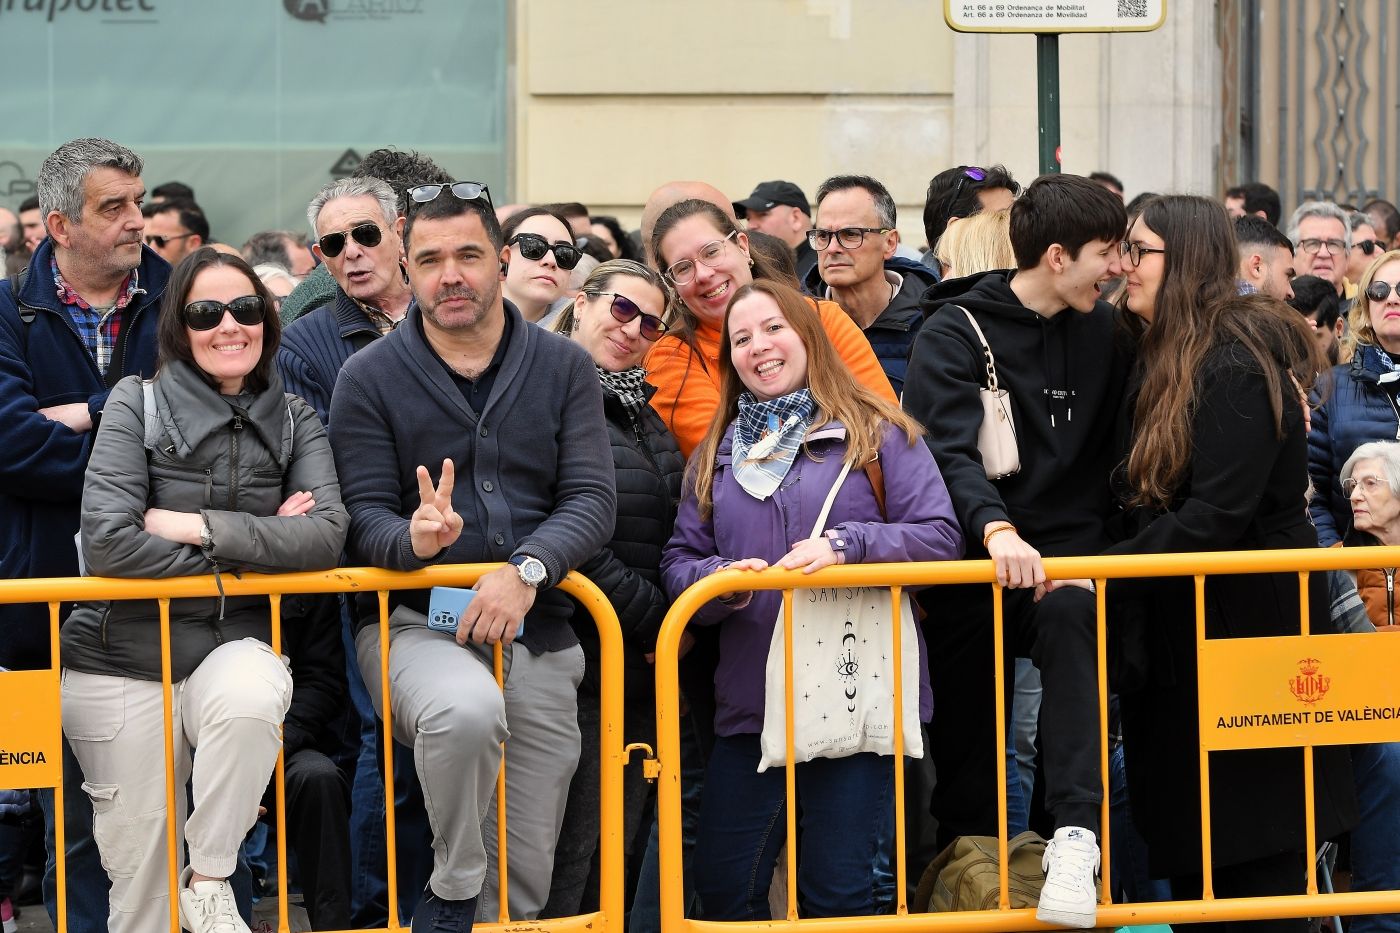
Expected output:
(767, 436)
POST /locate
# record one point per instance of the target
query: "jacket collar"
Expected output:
(350, 318)
(153, 273)
(521, 334)
(192, 410)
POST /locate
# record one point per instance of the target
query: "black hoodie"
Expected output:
(1066, 377)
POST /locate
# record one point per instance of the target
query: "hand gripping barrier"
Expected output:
(31, 736)
(1294, 691)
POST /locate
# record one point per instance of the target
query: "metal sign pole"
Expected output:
(1047, 59)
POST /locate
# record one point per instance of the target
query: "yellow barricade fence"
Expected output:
(31, 750)
(1296, 691)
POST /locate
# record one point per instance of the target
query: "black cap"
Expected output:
(770, 194)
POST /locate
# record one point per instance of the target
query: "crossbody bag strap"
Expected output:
(991, 360)
(876, 474)
(830, 498)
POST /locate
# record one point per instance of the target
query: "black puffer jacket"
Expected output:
(648, 466)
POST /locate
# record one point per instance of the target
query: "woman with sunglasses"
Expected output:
(1215, 460)
(542, 254)
(1361, 404)
(207, 468)
(790, 416)
(706, 258)
(617, 319)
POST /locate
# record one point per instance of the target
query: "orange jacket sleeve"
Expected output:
(855, 350)
(686, 394)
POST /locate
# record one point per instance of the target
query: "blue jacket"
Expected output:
(43, 363)
(1357, 409)
(317, 344)
(892, 334)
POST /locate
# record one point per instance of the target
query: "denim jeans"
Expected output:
(1375, 842)
(1131, 881)
(844, 817)
(369, 888)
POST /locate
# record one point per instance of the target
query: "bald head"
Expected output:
(674, 192)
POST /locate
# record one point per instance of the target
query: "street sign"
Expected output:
(1055, 15)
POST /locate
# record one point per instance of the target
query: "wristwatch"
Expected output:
(531, 569)
(206, 537)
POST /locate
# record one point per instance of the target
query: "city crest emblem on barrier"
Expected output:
(1309, 686)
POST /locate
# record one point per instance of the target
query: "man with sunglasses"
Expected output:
(468, 435)
(78, 319)
(175, 228)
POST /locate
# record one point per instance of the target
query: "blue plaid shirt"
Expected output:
(98, 327)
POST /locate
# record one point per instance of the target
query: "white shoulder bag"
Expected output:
(843, 672)
(996, 438)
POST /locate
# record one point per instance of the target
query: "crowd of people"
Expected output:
(433, 378)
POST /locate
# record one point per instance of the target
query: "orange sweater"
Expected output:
(687, 389)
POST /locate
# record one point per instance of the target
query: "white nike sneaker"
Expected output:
(208, 906)
(1071, 861)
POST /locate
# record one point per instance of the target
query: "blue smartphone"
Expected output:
(445, 607)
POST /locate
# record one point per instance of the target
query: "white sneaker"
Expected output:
(1070, 863)
(208, 906)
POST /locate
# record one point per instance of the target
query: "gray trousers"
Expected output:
(447, 707)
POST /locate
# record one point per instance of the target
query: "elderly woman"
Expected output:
(1361, 404)
(1371, 481)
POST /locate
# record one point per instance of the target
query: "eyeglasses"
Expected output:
(1135, 251)
(683, 271)
(367, 235)
(1380, 291)
(461, 190)
(624, 309)
(533, 247)
(1369, 484)
(159, 242)
(207, 315)
(1312, 245)
(1367, 246)
(848, 237)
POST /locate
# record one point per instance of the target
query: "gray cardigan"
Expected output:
(235, 465)
(534, 472)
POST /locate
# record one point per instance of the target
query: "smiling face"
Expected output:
(1145, 279)
(365, 273)
(707, 293)
(1385, 315)
(1374, 507)
(1080, 281)
(616, 346)
(534, 284)
(229, 351)
(764, 349)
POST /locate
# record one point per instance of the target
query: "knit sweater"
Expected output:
(317, 344)
(534, 471)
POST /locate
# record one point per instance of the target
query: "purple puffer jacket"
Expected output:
(921, 527)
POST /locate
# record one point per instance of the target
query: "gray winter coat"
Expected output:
(235, 463)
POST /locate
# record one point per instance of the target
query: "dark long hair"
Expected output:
(1198, 308)
(173, 340)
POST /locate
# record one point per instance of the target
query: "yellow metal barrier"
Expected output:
(1261, 675)
(30, 729)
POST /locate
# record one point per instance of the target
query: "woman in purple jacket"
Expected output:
(790, 415)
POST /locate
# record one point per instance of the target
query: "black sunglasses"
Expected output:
(367, 235)
(1380, 291)
(1367, 246)
(207, 315)
(533, 247)
(624, 309)
(461, 190)
(158, 241)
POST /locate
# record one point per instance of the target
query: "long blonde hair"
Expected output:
(837, 394)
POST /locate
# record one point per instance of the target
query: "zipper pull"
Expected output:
(238, 422)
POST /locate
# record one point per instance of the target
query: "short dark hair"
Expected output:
(30, 203)
(568, 209)
(172, 191)
(945, 199)
(401, 171)
(447, 205)
(1105, 178)
(191, 215)
(884, 203)
(514, 221)
(1069, 210)
(1382, 210)
(1136, 205)
(1256, 231)
(1258, 196)
(269, 246)
(1316, 298)
(780, 256)
(625, 244)
(172, 338)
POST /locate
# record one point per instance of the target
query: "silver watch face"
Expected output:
(532, 571)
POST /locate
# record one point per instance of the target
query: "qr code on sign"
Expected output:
(1130, 8)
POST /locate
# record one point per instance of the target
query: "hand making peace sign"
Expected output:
(434, 524)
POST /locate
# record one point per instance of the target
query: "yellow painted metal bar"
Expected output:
(387, 747)
(503, 889)
(1309, 806)
(280, 783)
(999, 679)
(897, 656)
(60, 841)
(1101, 640)
(790, 765)
(1207, 883)
(172, 831)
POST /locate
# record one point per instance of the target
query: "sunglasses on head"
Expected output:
(367, 235)
(207, 315)
(625, 310)
(533, 247)
(461, 190)
(1380, 291)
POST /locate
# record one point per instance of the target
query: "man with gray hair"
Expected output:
(78, 319)
(355, 224)
(855, 240)
(1322, 240)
